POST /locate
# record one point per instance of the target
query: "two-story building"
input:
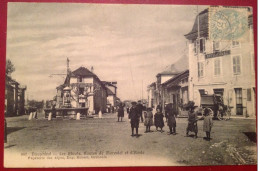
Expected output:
(224, 67)
(14, 97)
(86, 91)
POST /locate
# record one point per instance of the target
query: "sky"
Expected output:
(129, 44)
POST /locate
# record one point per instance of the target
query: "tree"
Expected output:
(9, 67)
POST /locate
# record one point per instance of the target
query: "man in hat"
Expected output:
(134, 117)
(140, 110)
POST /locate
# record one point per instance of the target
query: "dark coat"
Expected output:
(139, 108)
(192, 122)
(158, 120)
(134, 117)
(120, 112)
(171, 119)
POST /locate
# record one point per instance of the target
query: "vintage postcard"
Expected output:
(102, 85)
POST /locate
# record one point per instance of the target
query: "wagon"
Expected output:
(211, 101)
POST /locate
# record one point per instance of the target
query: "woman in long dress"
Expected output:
(158, 120)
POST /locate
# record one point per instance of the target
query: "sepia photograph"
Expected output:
(110, 85)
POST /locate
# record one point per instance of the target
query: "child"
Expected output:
(207, 124)
(171, 119)
(148, 122)
(158, 120)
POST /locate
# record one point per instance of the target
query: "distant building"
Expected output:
(86, 91)
(171, 85)
(223, 67)
(175, 91)
(14, 97)
(152, 95)
(111, 92)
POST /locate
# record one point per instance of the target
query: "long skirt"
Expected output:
(148, 122)
(135, 123)
(171, 122)
(192, 126)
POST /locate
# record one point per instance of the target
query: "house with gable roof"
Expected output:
(87, 90)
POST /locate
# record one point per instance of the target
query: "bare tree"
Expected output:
(9, 67)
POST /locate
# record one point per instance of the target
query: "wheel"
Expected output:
(219, 116)
(227, 115)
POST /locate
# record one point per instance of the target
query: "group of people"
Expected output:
(138, 112)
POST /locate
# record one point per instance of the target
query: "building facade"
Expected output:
(14, 97)
(86, 90)
(175, 91)
(111, 93)
(222, 67)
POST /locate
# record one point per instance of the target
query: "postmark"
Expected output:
(227, 23)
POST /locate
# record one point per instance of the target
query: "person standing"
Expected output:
(140, 110)
(134, 118)
(171, 120)
(159, 106)
(192, 120)
(53, 110)
(120, 112)
(148, 122)
(207, 124)
(166, 110)
(158, 120)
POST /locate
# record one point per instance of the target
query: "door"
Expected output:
(174, 102)
(239, 100)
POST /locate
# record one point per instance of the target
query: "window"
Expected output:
(80, 79)
(217, 69)
(236, 65)
(202, 45)
(249, 94)
(195, 46)
(235, 43)
(216, 46)
(219, 91)
(200, 69)
(81, 90)
(202, 91)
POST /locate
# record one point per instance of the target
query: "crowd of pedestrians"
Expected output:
(155, 117)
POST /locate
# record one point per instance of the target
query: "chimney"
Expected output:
(92, 69)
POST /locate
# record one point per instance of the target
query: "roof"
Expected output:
(109, 92)
(203, 24)
(179, 66)
(109, 84)
(82, 71)
(173, 79)
(9, 80)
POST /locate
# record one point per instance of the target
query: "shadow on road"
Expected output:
(13, 129)
(251, 136)
(9, 146)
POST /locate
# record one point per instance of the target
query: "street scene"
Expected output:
(129, 85)
(233, 146)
